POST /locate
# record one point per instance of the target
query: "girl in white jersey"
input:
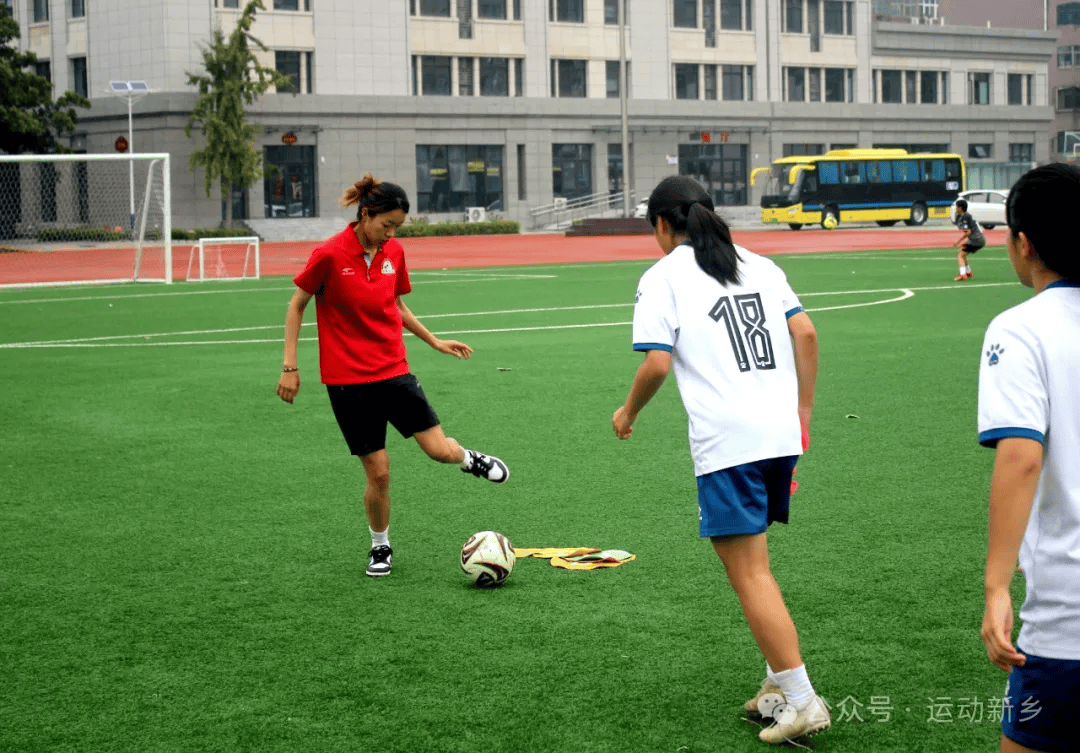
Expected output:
(745, 359)
(1029, 411)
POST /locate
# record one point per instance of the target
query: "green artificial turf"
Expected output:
(183, 557)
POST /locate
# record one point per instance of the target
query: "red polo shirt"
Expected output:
(360, 331)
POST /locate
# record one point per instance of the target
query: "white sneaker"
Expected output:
(380, 562)
(486, 466)
(810, 721)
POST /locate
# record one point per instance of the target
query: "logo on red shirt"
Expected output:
(348, 271)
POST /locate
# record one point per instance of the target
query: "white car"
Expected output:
(986, 206)
(641, 211)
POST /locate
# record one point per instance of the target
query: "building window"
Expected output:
(522, 183)
(978, 88)
(793, 13)
(1068, 14)
(928, 87)
(435, 75)
(892, 87)
(288, 62)
(980, 151)
(611, 12)
(430, 7)
(571, 170)
(567, 11)
(838, 17)
(291, 5)
(796, 85)
(519, 77)
(614, 169)
(612, 78)
(495, 77)
(731, 14)
(686, 81)
(451, 178)
(78, 8)
(1068, 98)
(709, 88)
(737, 82)
(800, 150)
(230, 3)
(839, 85)
(720, 168)
(813, 83)
(1068, 56)
(911, 87)
(1016, 88)
(1021, 152)
(78, 77)
(491, 9)
(43, 68)
(568, 78)
(41, 11)
(685, 14)
(465, 76)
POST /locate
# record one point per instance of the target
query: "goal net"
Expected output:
(224, 259)
(69, 219)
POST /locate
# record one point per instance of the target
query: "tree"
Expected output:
(233, 78)
(30, 121)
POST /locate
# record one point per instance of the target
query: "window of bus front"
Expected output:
(829, 173)
(933, 170)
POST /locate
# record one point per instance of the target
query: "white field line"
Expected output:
(148, 339)
(461, 277)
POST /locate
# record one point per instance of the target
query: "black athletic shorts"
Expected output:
(363, 410)
(970, 249)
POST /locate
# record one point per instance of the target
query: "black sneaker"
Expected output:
(380, 561)
(486, 466)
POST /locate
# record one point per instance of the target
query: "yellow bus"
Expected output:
(860, 185)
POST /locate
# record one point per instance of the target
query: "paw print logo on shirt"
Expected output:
(387, 267)
(993, 355)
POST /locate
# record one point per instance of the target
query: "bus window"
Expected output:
(933, 169)
(854, 173)
(952, 169)
(907, 171)
(878, 172)
(830, 172)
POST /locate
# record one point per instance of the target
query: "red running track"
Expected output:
(288, 258)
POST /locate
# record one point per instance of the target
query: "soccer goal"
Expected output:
(224, 259)
(68, 219)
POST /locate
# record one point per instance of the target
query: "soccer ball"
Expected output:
(830, 222)
(488, 559)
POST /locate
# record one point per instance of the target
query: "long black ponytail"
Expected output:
(687, 207)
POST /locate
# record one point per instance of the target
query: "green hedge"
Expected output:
(179, 234)
(493, 227)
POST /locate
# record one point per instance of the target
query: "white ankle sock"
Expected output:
(796, 686)
(769, 674)
(379, 538)
(466, 463)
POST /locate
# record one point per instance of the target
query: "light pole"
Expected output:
(623, 96)
(131, 91)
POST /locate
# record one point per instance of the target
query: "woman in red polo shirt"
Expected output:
(358, 278)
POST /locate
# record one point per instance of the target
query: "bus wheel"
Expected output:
(830, 218)
(886, 223)
(918, 214)
(798, 225)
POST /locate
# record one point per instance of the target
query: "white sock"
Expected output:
(379, 538)
(967, 270)
(796, 686)
(769, 674)
(466, 463)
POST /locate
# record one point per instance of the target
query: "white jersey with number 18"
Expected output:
(731, 354)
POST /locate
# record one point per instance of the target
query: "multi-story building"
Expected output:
(510, 104)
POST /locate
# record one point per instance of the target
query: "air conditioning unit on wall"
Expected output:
(475, 214)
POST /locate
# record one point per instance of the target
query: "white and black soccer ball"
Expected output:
(488, 559)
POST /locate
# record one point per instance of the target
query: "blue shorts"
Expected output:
(1040, 703)
(745, 499)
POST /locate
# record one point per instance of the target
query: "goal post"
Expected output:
(229, 258)
(65, 219)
